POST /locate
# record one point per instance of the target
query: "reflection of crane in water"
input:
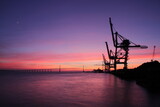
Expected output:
(120, 55)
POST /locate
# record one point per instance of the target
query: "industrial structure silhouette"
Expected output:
(120, 54)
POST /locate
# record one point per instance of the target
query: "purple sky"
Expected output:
(41, 30)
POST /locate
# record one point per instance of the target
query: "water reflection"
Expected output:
(125, 93)
(74, 90)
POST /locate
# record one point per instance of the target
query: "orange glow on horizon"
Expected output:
(68, 61)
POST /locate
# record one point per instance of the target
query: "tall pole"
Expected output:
(83, 68)
(104, 66)
(59, 68)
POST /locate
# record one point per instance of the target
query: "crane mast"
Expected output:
(121, 52)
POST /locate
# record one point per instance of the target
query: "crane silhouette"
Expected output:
(121, 52)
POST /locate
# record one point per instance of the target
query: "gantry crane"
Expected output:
(154, 48)
(106, 64)
(122, 45)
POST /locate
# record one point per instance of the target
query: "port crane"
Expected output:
(154, 48)
(106, 63)
(121, 52)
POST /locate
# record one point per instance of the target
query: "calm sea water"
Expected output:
(73, 90)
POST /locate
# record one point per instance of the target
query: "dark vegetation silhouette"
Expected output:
(146, 75)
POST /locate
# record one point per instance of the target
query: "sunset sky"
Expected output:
(37, 34)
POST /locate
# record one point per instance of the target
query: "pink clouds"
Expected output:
(20, 60)
(144, 54)
(50, 57)
(69, 61)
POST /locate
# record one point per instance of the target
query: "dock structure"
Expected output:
(121, 51)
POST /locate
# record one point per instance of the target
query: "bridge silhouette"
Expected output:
(31, 70)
